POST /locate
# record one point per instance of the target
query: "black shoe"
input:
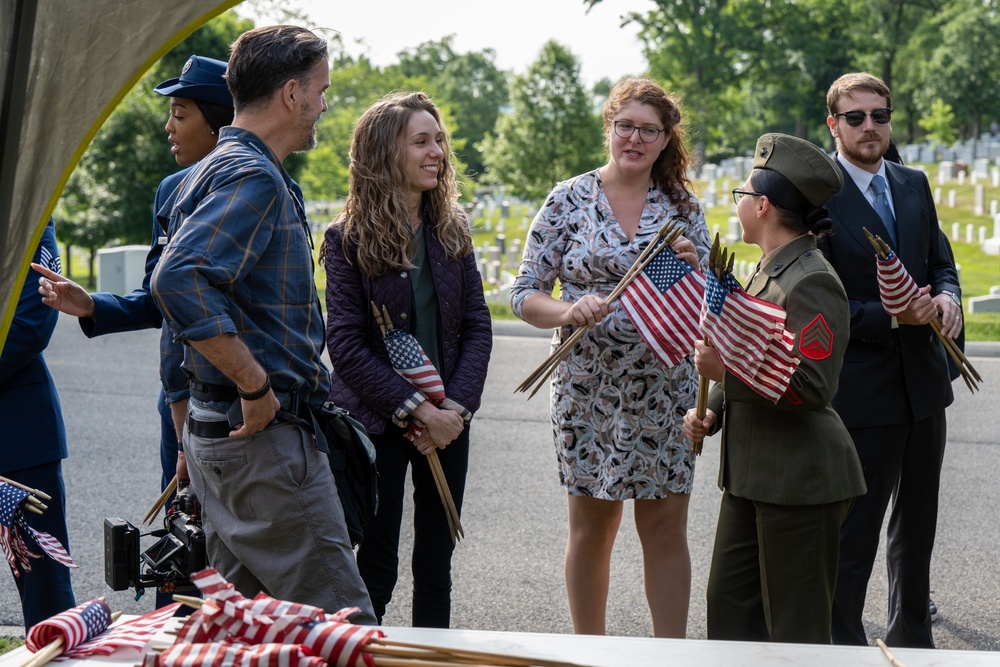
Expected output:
(934, 611)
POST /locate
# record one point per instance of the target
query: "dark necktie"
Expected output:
(882, 206)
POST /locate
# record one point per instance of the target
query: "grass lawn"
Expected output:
(979, 271)
(9, 644)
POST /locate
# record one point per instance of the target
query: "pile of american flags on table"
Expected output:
(231, 630)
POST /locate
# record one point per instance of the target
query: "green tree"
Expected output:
(551, 132)
(962, 68)
(108, 198)
(939, 123)
(469, 84)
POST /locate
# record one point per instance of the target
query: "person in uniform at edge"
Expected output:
(34, 441)
(788, 469)
(235, 283)
(403, 243)
(895, 384)
(200, 105)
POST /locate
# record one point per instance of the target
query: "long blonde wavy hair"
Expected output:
(375, 215)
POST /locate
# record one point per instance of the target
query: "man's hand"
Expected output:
(63, 294)
(951, 315)
(182, 471)
(257, 415)
(921, 310)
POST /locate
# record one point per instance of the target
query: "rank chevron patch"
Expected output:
(816, 339)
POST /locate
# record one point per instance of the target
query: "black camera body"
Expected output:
(166, 565)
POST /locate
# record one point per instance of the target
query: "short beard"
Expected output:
(308, 144)
(859, 157)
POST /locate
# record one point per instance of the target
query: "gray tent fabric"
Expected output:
(65, 67)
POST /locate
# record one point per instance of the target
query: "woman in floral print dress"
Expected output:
(617, 411)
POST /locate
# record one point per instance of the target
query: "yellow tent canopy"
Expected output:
(65, 67)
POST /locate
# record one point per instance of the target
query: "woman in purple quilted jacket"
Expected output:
(403, 244)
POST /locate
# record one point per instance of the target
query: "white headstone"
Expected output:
(961, 178)
(955, 231)
(937, 196)
(946, 171)
(993, 207)
(979, 206)
(951, 198)
(735, 233)
(970, 232)
(709, 172)
(995, 175)
(982, 234)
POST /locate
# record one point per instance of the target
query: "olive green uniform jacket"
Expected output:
(795, 452)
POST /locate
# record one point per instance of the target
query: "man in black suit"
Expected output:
(895, 385)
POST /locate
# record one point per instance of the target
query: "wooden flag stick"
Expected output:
(701, 404)
(450, 511)
(965, 367)
(36, 492)
(502, 659)
(666, 236)
(160, 502)
(885, 650)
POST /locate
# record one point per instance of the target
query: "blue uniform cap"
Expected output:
(200, 80)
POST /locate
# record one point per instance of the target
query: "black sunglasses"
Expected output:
(857, 118)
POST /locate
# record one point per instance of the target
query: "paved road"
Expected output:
(508, 570)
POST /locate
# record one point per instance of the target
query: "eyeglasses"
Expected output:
(739, 194)
(625, 129)
(857, 118)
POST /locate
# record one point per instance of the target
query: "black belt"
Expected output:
(212, 393)
(216, 429)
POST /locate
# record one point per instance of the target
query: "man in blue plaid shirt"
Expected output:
(236, 286)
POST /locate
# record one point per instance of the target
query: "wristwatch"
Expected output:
(954, 297)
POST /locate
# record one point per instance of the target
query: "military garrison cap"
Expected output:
(805, 165)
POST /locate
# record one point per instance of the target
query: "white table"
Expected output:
(618, 651)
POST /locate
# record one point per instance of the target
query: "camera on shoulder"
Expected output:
(169, 562)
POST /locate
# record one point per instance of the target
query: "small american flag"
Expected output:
(338, 643)
(74, 626)
(134, 633)
(13, 529)
(409, 360)
(750, 335)
(234, 655)
(896, 288)
(664, 302)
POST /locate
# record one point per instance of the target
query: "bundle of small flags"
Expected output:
(230, 630)
(750, 335)
(281, 633)
(85, 630)
(14, 530)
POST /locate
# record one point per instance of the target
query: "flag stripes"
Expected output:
(895, 285)
(663, 303)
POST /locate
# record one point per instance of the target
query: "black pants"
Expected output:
(378, 555)
(902, 463)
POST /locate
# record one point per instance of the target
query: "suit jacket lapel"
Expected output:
(905, 204)
(850, 208)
